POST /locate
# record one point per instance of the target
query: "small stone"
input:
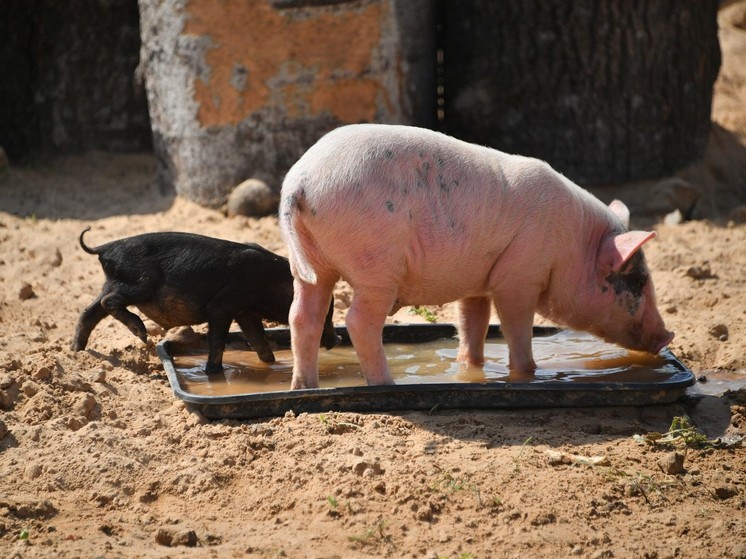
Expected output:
(253, 198)
(85, 405)
(725, 491)
(164, 537)
(672, 463)
(187, 538)
(719, 331)
(74, 423)
(3, 429)
(367, 469)
(33, 471)
(702, 272)
(99, 375)
(43, 373)
(30, 388)
(26, 292)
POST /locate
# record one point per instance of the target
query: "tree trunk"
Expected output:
(241, 89)
(603, 90)
(69, 77)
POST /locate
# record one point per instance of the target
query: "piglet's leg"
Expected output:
(90, 317)
(517, 322)
(252, 328)
(474, 320)
(217, 334)
(116, 305)
(307, 313)
(365, 321)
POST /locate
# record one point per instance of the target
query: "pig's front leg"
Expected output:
(365, 320)
(517, 324)
(307, 314)
(217, 335)
(474, 320)
(252, 328)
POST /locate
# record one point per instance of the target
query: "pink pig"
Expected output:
(408, 216)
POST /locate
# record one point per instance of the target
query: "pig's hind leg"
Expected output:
(116, 304)
(307, 315)
(365, 320)
(253, 329)
(90, 317)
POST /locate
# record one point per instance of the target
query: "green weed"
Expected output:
(681, 432)
(423, 312)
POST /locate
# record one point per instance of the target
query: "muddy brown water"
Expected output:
(565, 356)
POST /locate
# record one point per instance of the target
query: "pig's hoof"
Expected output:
(213, 369)
(267, 357)
(332, 343)
(300, 384)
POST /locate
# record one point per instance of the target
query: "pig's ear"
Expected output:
(616, 250)
(620, 210)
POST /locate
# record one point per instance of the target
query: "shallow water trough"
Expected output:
(573, 370)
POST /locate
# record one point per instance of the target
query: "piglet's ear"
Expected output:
(620, 210)
(616, 250)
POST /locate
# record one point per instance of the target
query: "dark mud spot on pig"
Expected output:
(390, 206)
(629, 283)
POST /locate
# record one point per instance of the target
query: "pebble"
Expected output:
(672, 463)
(33, 471)
(253, 198)
(99, 375)
(30, 388)
(168, 538)
(702, 272)
(719, 331)
(26, 292)
(367, 469)
(42, 373)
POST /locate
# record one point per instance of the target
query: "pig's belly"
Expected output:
(439, 290)
(169, 310)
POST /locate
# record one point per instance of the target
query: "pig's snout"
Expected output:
(661, 342)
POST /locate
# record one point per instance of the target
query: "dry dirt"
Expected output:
(99, 459)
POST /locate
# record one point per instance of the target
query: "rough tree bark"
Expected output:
(241, 89)
(604, 90)
(69, 77)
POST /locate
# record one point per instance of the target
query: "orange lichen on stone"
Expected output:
(306, 66)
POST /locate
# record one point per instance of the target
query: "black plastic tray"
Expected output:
(486, 395)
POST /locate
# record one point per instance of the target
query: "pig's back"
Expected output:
(377, 202)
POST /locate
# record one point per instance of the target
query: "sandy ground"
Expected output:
(99, 459)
